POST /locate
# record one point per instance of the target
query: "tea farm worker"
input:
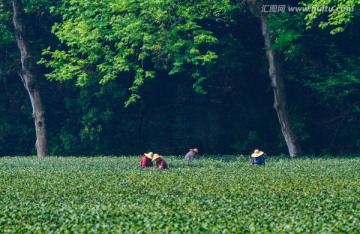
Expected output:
(191, 154)
(257, 158)
(146, 160)
(160, 162)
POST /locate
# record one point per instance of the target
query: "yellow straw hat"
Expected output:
(149, 155)
(257, 153)
(196, 151)
(156, 156)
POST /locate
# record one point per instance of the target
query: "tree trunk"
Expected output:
(28, 78)
(277, 83)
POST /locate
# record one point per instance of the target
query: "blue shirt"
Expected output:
(259, 160)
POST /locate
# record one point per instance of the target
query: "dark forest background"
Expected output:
(234, 116)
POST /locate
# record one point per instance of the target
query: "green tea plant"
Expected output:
(211, 194)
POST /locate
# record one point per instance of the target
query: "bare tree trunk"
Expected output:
(277, 83)
(28, 78)
(278, 86)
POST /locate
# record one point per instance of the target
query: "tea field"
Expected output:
(212, 194)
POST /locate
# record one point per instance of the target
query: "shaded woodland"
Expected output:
(120, 77)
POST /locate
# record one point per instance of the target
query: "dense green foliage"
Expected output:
(199, 67)
(211, 194)
(336, 14)
(112, 38)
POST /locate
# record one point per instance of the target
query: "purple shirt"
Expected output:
(190, 155)
(161, 164)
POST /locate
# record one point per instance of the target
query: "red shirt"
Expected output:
(146, 162)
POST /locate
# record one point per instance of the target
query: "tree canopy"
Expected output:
(110, 38)
(194, 72)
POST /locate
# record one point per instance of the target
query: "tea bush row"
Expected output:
(211, 194)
